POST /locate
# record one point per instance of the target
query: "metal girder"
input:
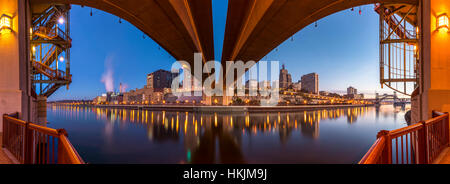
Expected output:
(398, 47)
(410, 41)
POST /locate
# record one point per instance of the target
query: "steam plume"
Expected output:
(107, 77)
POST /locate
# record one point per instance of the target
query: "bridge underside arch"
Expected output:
(268, 23)
(180, 27)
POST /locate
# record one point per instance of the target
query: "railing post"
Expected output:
(447, 128)
(61, 155)
(28, 142)
(423, 144)
(4, 130)
(386, 155)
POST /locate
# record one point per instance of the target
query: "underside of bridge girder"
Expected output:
(180, 27)
(255, 27)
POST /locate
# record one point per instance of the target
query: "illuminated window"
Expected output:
(442, 22)
(5, 23)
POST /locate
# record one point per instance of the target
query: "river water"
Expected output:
(139, 136)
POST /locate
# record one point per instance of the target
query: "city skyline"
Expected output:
(136, 56)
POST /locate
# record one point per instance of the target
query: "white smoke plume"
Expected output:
(107, 77)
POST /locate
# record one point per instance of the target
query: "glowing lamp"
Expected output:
(61, 59)
(442, 22)
(61, 20)
(5, 23)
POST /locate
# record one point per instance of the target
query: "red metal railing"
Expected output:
(416, 144)
(34, 144)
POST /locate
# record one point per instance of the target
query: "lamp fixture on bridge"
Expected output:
(442, 22)
(61, 20)
(61, 59)
(5, 23)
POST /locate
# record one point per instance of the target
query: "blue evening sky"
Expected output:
(343, 50)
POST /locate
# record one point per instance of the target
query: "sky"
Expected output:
(342, 49)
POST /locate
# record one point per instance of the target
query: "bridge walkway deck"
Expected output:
(4, 159)
(444, 158)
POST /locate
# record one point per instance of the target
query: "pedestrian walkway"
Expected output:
(444, 158)
(3, 158)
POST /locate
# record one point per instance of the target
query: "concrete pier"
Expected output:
(42, 110)
(14, 71)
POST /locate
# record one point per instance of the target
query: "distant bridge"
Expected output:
(393, 97)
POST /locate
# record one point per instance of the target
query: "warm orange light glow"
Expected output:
(442, 23)
(5, 23)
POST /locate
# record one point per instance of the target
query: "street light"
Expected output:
(5, 23)
(442, 22)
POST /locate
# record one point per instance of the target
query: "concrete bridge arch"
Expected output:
(268, 23)
(180, 27)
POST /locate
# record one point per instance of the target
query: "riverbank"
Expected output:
(227, 109)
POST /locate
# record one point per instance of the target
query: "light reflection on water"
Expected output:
(141, 136)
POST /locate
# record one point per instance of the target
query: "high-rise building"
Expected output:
(285, 78)
(251, 84)
(159, 80)
(352, 91)
(310, 83)
(297, 86)
(263, 85)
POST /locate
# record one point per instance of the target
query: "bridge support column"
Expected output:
(14, 77)
(42, 110)
(434, 91)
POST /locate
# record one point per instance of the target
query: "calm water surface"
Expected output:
(141, 136)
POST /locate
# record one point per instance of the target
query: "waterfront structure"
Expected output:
(251, 84)
(324, 93)
(100, 99)
(115, 98)
(297, 86)
(310, 83)
(352, 91)
(354, 96)
(160, 79)
(143, 96)
(285, 78)
(264, 85)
